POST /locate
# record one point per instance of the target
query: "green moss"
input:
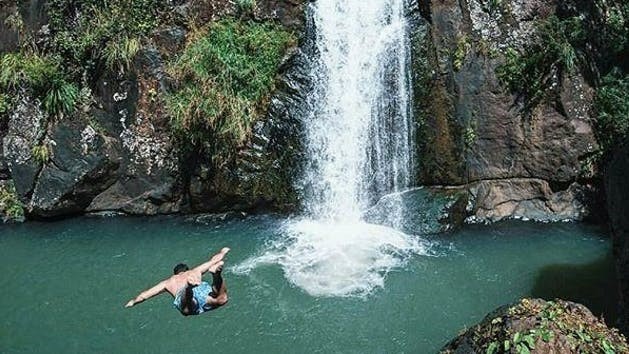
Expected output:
(224, 79)
(10, 205)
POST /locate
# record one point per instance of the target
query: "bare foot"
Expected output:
(220, 255)
(216, 267)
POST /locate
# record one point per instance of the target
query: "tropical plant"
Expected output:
(120, 53)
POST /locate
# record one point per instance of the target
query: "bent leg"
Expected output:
(218, 296)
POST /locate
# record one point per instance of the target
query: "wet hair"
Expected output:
(181, 267)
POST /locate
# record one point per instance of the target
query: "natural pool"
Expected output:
(65, 283)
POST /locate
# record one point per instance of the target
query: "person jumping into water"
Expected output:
(192, 295)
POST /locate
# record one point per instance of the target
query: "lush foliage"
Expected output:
(612, 105)
(245, 6)
(553, 52)
(85, 37)
(224, 78)
(90, 33)
(10, 205)
(41, 75)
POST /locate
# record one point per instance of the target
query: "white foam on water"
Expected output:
(327, 258)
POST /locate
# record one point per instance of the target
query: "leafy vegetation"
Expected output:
(10, 205)
(245, 6)
(90, 33)
(41, 75)
(535, 71)
(4, 103)
(85, 37)
(224, 78)
(593, 40)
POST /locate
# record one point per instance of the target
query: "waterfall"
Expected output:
(359, 134)
(359, 145)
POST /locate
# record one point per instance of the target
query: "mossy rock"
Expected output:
(539, 326)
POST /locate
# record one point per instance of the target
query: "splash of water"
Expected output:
(359, 147)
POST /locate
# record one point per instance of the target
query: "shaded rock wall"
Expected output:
(474, 132)
(617, 190)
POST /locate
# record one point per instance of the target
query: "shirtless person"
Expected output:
(192, 295)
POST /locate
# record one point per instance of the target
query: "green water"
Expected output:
(64, 285)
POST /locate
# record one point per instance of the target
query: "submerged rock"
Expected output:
(538, 326)
(421, 210)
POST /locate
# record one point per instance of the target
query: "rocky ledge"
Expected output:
(538, 326)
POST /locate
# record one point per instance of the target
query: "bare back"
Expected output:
(177, 282)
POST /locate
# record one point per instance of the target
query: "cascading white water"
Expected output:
(360, 131)
(359, 147)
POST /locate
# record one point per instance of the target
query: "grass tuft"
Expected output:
(224, 80)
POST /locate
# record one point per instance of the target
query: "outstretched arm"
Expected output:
(147, 294)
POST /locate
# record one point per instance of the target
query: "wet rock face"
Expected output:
(538, 326)
(617, 191)
(473, 131)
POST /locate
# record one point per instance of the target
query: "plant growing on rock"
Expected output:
(463, 46)
(542, 327)
(10, 205)
(43, 77)
(41, 153)
(91, 32)
(245, 6)
(534, 71)
(120, 53)
(223, 82)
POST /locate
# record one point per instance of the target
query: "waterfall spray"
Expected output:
(359, 147)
